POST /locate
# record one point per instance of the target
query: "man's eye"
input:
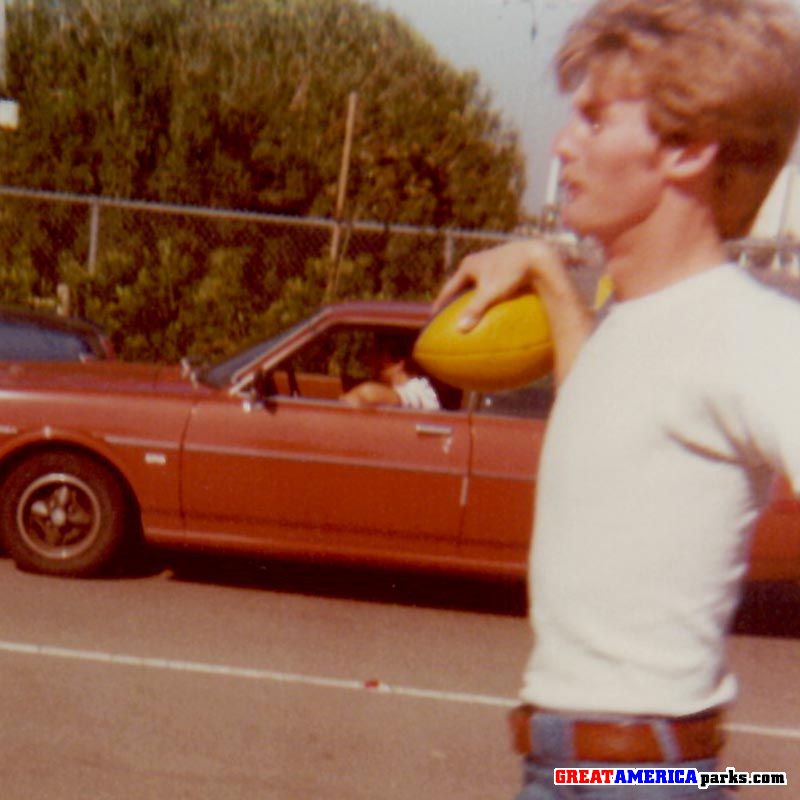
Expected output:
(591, 118)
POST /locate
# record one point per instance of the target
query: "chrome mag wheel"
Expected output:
(58, 516)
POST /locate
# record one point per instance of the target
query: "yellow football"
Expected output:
(511, 345)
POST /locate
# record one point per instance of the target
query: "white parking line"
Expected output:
(369, 684)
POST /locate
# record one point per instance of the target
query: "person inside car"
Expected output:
(398, 381)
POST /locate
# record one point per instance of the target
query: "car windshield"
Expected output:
(223, 374)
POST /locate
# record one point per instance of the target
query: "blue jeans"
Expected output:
(553, 737)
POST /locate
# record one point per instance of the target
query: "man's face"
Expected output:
(612, 161)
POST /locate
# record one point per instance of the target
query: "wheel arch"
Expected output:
(12, 458)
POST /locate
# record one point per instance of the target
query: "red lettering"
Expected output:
(563, 776)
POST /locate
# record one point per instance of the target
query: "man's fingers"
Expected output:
(473, 312)
(451, 288)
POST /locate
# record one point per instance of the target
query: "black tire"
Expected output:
(61, 513)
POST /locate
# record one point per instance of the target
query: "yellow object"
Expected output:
(510, 347)
(604, 290)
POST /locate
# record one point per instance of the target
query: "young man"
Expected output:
(675, 411)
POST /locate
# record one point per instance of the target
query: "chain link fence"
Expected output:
(169, 279)
(81, 228)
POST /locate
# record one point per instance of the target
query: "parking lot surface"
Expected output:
(214, 680)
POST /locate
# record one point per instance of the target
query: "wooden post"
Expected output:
(63, 300)
(448, 253)
(341, 192)
(94, 233)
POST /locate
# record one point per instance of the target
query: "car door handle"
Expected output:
(424, 429)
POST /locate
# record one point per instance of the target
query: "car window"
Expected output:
(23, 342)
(341, 352)
(532, 401)
(336, 361)
(230, 370)
(327, 366)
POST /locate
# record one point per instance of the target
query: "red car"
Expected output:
(258, 455)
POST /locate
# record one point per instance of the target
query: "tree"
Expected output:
(240, 104)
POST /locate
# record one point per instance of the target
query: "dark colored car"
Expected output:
(34, 336)
(257, 455)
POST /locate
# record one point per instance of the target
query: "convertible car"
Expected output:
(257, 455)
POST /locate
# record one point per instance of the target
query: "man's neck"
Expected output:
(649, 258)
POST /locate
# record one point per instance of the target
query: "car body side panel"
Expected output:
(139, 438)
(776, 548)
(312, 475)
(497, 522)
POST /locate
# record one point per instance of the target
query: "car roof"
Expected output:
(390, 312)
(48, 320)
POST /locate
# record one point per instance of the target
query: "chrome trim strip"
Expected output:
(149, 444)
(502, 476)
(427, 429)
(282, 455)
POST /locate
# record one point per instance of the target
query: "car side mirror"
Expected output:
(262, 388)
(264, 385)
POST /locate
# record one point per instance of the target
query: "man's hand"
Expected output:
(525, 265)
(500, 273)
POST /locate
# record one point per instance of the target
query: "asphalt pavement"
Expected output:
(215, 679)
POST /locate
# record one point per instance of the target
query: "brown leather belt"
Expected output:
(631, 742)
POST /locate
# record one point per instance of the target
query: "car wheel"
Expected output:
(62, 514)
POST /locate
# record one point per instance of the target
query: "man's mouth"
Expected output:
(569, 189)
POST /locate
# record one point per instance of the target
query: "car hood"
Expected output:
(95, 376)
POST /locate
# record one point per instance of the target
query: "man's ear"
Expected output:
(689, 161)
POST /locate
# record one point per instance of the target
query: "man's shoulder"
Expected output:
(418, 392)
(749, 295)
(752, 324)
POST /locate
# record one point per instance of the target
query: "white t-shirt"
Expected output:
(658, 457)
(418, 393)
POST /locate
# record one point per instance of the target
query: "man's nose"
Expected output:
(564, 145)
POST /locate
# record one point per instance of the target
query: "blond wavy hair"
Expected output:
(722, 71)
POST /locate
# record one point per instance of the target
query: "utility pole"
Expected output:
(341, 192)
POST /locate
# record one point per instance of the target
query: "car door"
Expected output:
(302, 471)
(507, 432)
